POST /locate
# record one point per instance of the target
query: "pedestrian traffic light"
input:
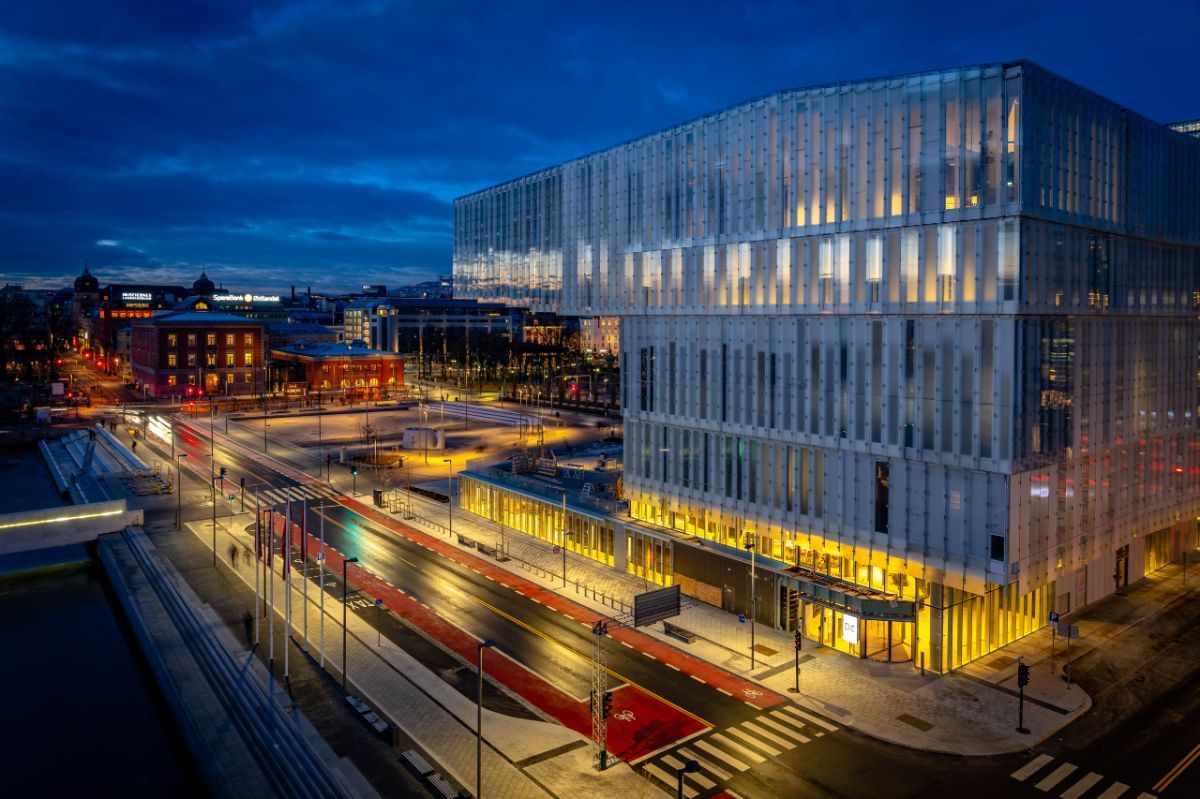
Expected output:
(606, 704)
(799, 640)
(242, 482)
(354, 471)
(1022, 675)
(222, 473)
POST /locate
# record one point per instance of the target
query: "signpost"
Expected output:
(1070, 631)
(1053, 633)
(655, 606)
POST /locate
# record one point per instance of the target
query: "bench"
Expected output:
(469, 543)
(412, 758)
(440, 787)
(678, 633)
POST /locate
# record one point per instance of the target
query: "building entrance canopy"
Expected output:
(840, 595)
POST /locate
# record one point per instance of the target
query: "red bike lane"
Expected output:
(640, 723)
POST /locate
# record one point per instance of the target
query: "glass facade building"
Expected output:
(934, 335)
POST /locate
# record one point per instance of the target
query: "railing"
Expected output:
(546, 491)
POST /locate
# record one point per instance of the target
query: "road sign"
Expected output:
(557, 549)
(655, 606)
(1053, 617)
(1069, 630)
(741, 618)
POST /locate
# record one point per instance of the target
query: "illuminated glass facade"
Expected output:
(935, 335)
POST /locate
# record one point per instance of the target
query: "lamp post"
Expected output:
(345, 563)
(689, 767)
(178, 489)
(751, 541)
(450, 493)
(379, 623)
(212, 473)
(479, 718)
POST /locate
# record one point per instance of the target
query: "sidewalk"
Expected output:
(521, 757)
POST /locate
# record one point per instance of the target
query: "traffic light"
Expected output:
(1022, 675)
(242, 483)
(799, 640)
(606, 704)
(222, 473)
(354, 471)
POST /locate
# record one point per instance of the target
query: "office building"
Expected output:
(927, 341)
(196, 352)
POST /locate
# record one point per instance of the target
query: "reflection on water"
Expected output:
(78, 710)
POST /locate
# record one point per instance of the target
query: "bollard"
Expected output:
(922, 664)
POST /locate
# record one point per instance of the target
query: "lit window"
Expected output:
(211, 360)
(172, 340)
(246, 377)
(191, 359)
(229, 359)
(191, 339)
(249, 359)
(248, 339)
(171, 380)
(171, 360)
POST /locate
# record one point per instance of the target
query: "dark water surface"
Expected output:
(80, 716)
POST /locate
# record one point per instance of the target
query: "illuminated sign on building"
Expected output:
(246, 298)
(849, 628)
(135, 296)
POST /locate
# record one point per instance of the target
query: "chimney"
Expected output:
(293, 293)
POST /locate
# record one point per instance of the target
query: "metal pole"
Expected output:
(271, 584)
(345, 563)
(286, 547)
(213, 487)
(450, 493)
(379, 623)
(564, 538)
(1067, 665)
(479, 718)
(321, 595)
(304, 564)
(257, 558)
(178, 495)
(753, 598)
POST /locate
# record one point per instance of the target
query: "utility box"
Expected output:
(378, 494)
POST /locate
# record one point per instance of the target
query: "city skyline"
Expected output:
(278, 146)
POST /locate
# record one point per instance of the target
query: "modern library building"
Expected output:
(932, 340)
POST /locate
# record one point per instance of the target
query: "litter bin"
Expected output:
(378, 497)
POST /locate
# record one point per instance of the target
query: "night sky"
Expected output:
(323, 143)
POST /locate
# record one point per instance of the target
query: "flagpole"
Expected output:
(304, 564)
(271, 582)
(287, 581)
(257, 562)
(321, 593)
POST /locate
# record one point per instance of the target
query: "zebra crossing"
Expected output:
(724, 753)
(271, 497)
(1050, 776)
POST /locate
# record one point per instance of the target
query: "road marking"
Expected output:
(722, 690)
(783, 728)
(724, 757)
(701, 780)
(720, 774)
(670, 665)
(1179, 768)
(750, 704)
(750, 739)
(1027, 770)
(647, 654)
(812, 719)
(701, 680)
(770, 736)
(626, 643)
(1055, 777)
(752, 756)
(669, 779)
(1077, 790)
(1114, 790)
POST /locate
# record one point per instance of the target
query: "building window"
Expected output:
(230, 338)
(998, 547)
(248, 339)
(882, 489)
(246, 377)
(229, 378)
(172, 340)
(171, 360)
(171, 380)
(229, 359)
(191, 359)
(191, 339)
(191, 380)
(211, 360)
(212, 339)
(249, 358)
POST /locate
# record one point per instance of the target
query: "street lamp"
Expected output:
(751, 540)
(450, 493)
(379, 623)
(690, 767)
(489, 643)
(178, 489)
(345, 563)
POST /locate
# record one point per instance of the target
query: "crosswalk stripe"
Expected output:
(711, 768)
(1114, 790)
(1055, 777)
(770, 736)
(725, 757)
(1027, 770)
(700, 779)
(783, 728)
(669, 779)
(1078, 789)
(812, 719)
(750, 739)
(733, 746)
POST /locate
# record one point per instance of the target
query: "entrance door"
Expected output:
(1121, 572)
(212, 382)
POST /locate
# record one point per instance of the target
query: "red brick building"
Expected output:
(198, 349)
(351, 370)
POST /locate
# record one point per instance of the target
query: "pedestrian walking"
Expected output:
(133, 446)
(233, 555)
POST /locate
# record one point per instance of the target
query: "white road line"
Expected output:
(1027, 770)
(700, 680)
(750, 755)
(1114, 790)
(813, 719)
(1055, 777)
(1078, 789)
(724, 757)
(722, 690)
(670, 665)
(669, 779)
(626, 643)
(783, 728)
(770, 736)
(701, 780)
(750, 739)
(711, 768)
(647, 654)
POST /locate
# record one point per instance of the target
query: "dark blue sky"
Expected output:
(322, 143)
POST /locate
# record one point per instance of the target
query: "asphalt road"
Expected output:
(1143, 729)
